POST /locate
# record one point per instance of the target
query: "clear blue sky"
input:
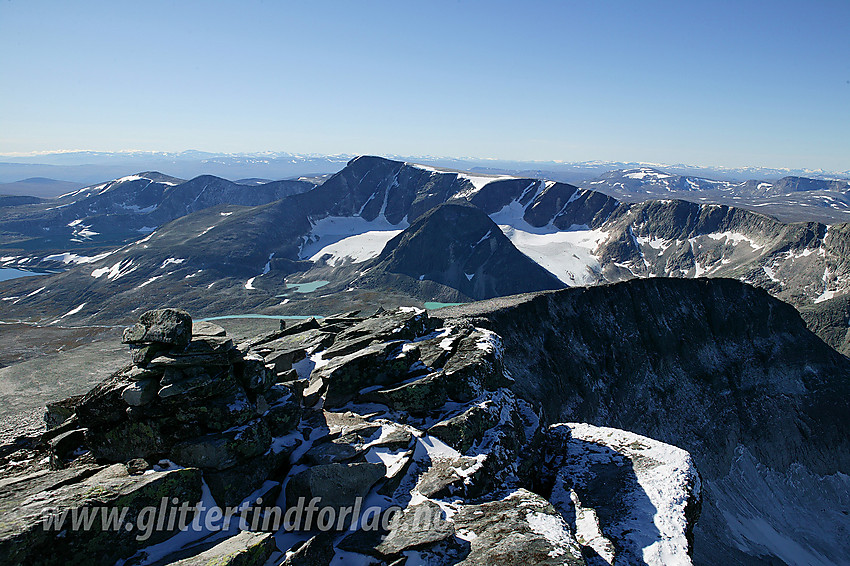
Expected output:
(714, 83)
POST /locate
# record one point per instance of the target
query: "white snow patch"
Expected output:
(394, 460)
(654, 243)
(268, 266)
(478, 182)
(334, 229)
(484, 237)
(357, 248)
(151, 280)
(825, 296)
(644, 173)
(117, 271)
(250, 283)
(770, 272)
(434, 448)
(71, 312)
(170, 261)
(553, 528)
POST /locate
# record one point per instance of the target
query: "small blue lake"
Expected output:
(7, 273)
(306, 287)
(274, 316)
(431, 305)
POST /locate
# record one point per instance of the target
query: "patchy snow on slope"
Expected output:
(117, 271)
(736, 238)
(138, 209)
(478, 182)
(654, 243)
(373, 236)
(268, 266)
(151, 280)
(642, 174)
(75, 259)
(434, 449)
(770, 272)
(70, 313)
(553, 528)
(825, 296)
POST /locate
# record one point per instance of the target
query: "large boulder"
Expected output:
(336, 485)
(161, 326)
(521, 528)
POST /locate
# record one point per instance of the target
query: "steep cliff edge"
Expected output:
(717, 368)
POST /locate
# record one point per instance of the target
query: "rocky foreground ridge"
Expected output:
(410, 417)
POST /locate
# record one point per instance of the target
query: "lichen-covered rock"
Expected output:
(24, 499)
(140, 392)
(224, 449)
(521, 528)
(206, 328)
(416, 397)
(254, 375)
(57, 413)
(461, 431)
(316, 551)
(232, 485)
(417, 527)
(379, 364)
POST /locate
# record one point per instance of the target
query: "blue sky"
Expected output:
(710, 83)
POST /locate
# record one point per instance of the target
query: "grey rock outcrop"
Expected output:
(402, 428)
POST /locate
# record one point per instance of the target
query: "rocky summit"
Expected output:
(402, 431)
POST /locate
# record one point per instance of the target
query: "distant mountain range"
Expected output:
(791, 198)
(92, 166)
(395, 232)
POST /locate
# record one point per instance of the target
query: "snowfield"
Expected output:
(566, 255)
(361, 247)
(349, 237)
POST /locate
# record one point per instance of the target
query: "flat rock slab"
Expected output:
(244, 549)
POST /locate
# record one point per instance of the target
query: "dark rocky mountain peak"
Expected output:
(460, 247)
